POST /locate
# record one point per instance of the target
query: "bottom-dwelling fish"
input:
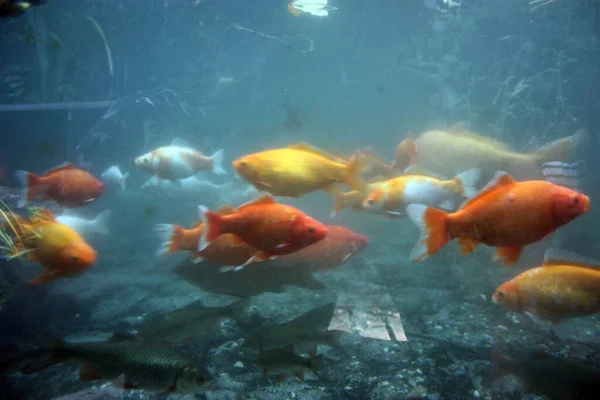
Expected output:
(505, 214)
(149, 366)
(566, 285)
(275, 229)
(285, 362)
(394, 195)
(57, 247)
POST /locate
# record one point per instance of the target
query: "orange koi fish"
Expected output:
(179, 161)
(406, 154)
(565, 286)
(505, 214)
(67, 185)
(57, 247)
(393, 196)
(340, 245)
(298, 170)
(227, 249)
(275, 229)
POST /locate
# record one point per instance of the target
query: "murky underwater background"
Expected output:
(99, 83)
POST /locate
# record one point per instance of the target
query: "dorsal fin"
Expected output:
(61, 167)
(41, 214)
(263, 198)
(499, 180)
(226, 210)
(309, 148)
(565, 257)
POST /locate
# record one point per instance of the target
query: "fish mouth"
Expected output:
(494, 299)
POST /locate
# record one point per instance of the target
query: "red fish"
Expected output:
(67, 185)
(340, 244)
(275, 229)
(226, 250)
(505, 214)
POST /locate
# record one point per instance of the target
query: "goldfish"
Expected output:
(275, 229)
(352, 199)
(179, 161)
(406, 154)
(450, 152)
(393, 196)
(565, 286)
(505, 214)
(340, 244)
(57, 247)
(226, 249)
(299, 169)
(65, 184)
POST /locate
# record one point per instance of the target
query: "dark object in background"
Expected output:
(14, 8)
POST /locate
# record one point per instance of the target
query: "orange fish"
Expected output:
(505, 214)
(375, 165)
(67, 185)
(340, 244)
(298, 170)
(393, 196)
(275, 229)
(227, 249)
(406, 154)
(565, 286)
(57, 247)
(353, 199)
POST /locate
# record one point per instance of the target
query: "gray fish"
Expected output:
(145, 365)
(285, 362)
(304, 333)
(192, 322)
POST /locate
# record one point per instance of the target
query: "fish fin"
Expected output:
(226, 210)
(332, 338)
(561, 149)
(44, 277)
(564, 257)
(467, 245)
(508, 255)
(61, 167)
(170, 237)
(31, 186)
(213, 230)
(354, 168)
(434, 232)
(309, 148)
(262, 199)
(197, 258)
(339, 202)
(412, 150)
(227, 268)
(101, 222)
(448, 205)
(87, 372)
(467, 182)
(217, 159)
(314, 360)
(564, 174)
(418, 170)
(124, 180)
(300, 374)
(499, 180)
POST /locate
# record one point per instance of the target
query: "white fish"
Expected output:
(191, 187)
(179, 161)
(83, 226)
(114, 176)
(320, 8)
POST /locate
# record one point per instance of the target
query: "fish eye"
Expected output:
(74, 258)
(501, 293)
(311, 230)
(576, 200)
(370, 202)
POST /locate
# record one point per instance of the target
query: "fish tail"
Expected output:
(170, 236)
(338, 202)
(214, 224)
(565, 149)
(333, 338)
(433, 224)
(217, 160)
(52, 351)
(357, 165)
(30, 186)
(123, 182)
(101, 222)
(467, 182)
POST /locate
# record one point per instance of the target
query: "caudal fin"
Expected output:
(469, 182)
(30, 187)
(170, 236)
(354, 168)
(434, 232)
(213, 227)
(124, 180)
(338, 203)
(217, 159)
(566, 149)
(101, 222)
